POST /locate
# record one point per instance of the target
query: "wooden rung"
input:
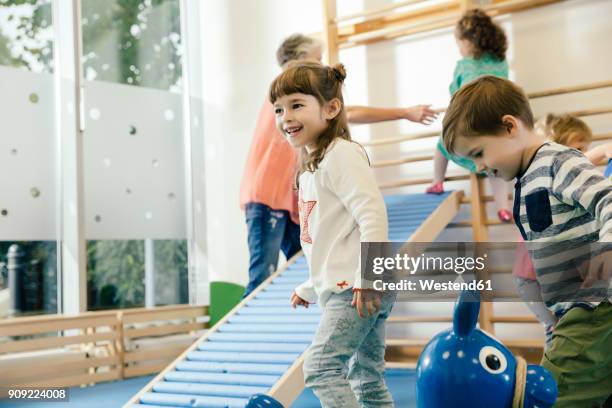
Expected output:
(379, 11)
(419, 319)
(395, 162)
(468, 223)
(74, 380)
(570, 89)
(499, 270)
(399, 139)
(53, 342)
(45, 324)
(514, 319)
(485, 199)
(149, 316)
(144, 369)
(603, 136)
(163, 330)
(591, 112)
(514, 343)
(433, 23)
(367, 33)
(24, 371)
(398, 364)
(404, 183)
(524, 343)
(406, 342)
(154, 354)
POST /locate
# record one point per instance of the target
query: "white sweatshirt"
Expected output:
(340, 207)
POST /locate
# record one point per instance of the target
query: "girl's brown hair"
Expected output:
(564, 129)
(485, 36)
(325, 84)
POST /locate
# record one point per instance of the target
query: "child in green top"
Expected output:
(482, 44)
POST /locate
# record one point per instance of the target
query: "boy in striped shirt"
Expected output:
(563, 209)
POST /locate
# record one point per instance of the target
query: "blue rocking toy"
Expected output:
(263, 401)
(466, 367)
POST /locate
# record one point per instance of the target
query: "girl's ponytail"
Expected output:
(337, 72)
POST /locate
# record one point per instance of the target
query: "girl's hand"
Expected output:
(421, 114)
(298, 301)
(366, 299)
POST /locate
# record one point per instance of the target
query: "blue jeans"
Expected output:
(345, 364)
(269, 232)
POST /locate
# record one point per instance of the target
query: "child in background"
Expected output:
(567, 130)
(482, 44)
(564, 206)
(571, 131)
(340, 207)
(266, 192)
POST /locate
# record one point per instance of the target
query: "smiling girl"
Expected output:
(340, 207)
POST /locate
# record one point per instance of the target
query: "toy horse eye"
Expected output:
(493, 360)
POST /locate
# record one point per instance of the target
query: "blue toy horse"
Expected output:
(466, 367)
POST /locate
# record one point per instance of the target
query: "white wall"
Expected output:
(239, 40)
(553, 46)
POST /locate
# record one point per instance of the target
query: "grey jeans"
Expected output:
(344, 366)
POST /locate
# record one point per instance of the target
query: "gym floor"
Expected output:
(114, 394)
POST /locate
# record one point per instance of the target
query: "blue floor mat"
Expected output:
(401, 383)
(114, 394)
(104, 395)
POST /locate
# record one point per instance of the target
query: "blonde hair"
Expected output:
(563, 129)
(478, 107)
(325, 84)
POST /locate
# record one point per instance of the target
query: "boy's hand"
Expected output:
(298, 301)
(366, 299)
(421, 114)
(597, 269)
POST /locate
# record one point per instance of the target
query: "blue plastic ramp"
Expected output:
(258, 347)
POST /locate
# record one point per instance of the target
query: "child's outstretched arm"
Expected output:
(365, 114)
(599, 153)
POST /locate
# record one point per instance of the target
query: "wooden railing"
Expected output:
(402, 19)
(65, 351)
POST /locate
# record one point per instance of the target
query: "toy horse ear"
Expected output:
(466, 312)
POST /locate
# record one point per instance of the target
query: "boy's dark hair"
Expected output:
(486, 36)
(294, 47)
(478, 107)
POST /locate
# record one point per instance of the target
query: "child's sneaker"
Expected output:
(504, 216)
(436, 188)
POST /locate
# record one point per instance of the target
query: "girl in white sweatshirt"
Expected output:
(340, 207)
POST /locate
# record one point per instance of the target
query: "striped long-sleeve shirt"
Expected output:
(563, 208)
